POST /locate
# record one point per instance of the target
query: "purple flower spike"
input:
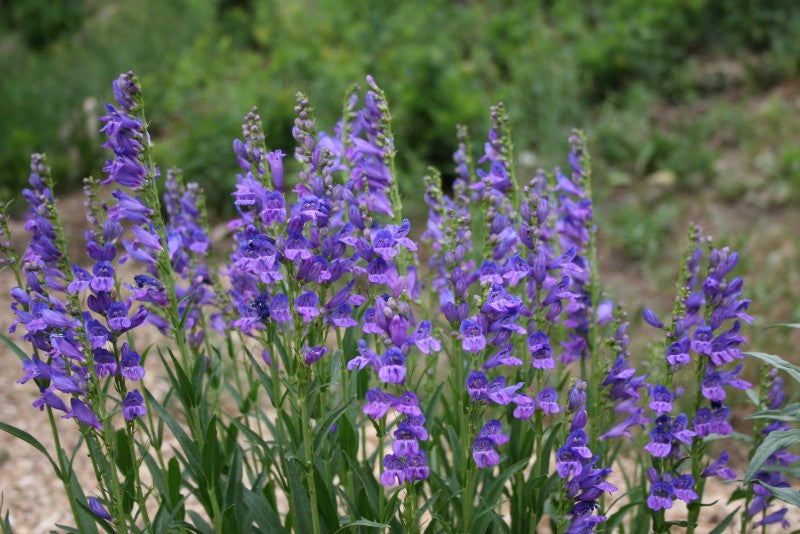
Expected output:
(484, 454)
(133, 405)
(473, 338)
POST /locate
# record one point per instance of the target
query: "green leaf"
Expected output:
(773, 442)
(778, 363)
(719, 529)
(363, 523)
(263, 513)
(300, 501)
(122, 454)
(789, 495)
(324, 426)
(790, 412)
(786, 325)
(15, 348)
(33, 442)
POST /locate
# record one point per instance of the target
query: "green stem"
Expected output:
(309, 458)
(64, 470)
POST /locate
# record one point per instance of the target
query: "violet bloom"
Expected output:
(314, 354)
(720, 468)
(661, 494)
(378, 403)
(393, 366)
(678, 352)
(493, 431)
(477, 385)
(484, 454)
(473, 338)
(133, 405)
(306, 306)
(541, 352)
(97, 509)
(393, 470)
(683, 488)
(408, 404)
(568, 462)
(130, 366)
(661, 399)
(423, 340)
(547, 399)
(82, 413)
(417, 467)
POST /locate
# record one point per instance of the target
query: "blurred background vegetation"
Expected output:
(691, 107)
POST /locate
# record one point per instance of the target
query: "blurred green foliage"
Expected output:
(606, 66)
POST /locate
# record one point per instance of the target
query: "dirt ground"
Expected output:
(35, 499)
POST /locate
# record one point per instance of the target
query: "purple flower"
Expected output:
(525, 408)
(378, 403)
(408, 404)
(133, 405)
(417, 467)
(314, 354)
(651, 318)
(660, 442)
(678, 352)
(306, 306)
(393, 470)
(493, 431)
(720, 468)
(683, 487)
(130, 367)
(82, 413)
(499, 393)
(541, 352)
(393, 366)
(661, 399)
(423, 340)
(473, 339)
(568, 462)
(105, 364)
(484, 454)
(477, 385)
(712, 385)
(661, 496)
(97, 509)
(405, 441)
(547, 399)
(504, 356)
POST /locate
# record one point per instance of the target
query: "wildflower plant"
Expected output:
(324, 378)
